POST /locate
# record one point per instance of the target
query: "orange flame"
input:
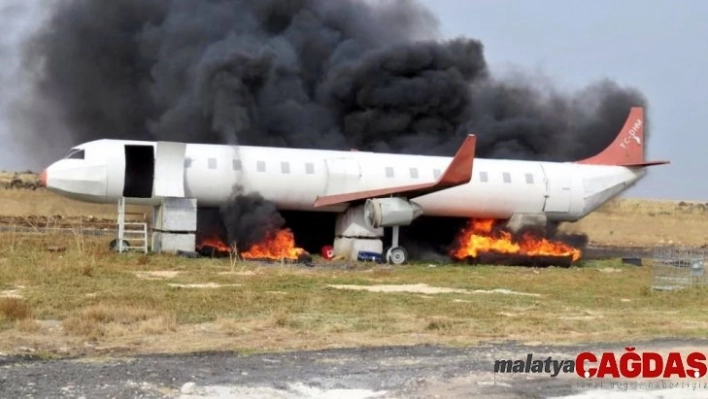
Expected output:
(479, 237)
(215, 243)
(280, 245)
(276, 246)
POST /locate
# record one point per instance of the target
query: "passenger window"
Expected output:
(260, 166)
(529, 178)
(211, 163)
(483, 177)
(237, 164)
(309, 168)
(414, 173)
(285, 167)
(507, 177)
(389, 171)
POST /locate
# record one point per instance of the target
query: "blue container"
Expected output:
(366, 256)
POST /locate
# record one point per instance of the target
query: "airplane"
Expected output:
(369, 191)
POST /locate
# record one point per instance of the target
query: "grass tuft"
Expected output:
(103, 320)
(27, 325)
(439, 324)
(14, 309)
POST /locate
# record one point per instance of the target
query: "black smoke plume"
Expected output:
(332, 74)
(248, 218)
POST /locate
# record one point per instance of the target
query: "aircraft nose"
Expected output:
(43, 178)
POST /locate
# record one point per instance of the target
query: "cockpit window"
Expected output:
(75, 154)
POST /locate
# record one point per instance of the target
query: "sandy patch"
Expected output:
(11, 294)
(204, 285)
(412, 288)
(157, 275)
(245, 273)
(582, 318)
(504, 291)
(609, 270)
(423, 289)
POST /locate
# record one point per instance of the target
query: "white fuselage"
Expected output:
(294, 178)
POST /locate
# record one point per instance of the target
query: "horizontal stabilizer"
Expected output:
(644, 164)
(457, 173)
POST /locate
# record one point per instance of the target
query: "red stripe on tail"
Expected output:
(628, 147)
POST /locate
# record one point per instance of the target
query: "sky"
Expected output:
(655, 46)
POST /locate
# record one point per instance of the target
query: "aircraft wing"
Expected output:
(457, 173)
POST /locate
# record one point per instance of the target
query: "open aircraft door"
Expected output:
(169, 169)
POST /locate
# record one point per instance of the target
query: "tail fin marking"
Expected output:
(628, 147)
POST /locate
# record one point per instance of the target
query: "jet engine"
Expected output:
(388, 212)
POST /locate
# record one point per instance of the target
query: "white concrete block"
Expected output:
(350, 247)
(176, 214)
(170, 243)
(352, 224)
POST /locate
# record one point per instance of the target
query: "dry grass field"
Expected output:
(637, 222)
(87, 300)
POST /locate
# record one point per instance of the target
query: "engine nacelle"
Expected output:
(387, 212)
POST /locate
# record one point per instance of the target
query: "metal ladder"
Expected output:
(135, 234)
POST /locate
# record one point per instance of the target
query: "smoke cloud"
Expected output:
(301, 74)
(373, 75)
(248, 218)
(19, 19)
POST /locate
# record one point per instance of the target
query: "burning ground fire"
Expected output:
(480, 236)
(276, 246)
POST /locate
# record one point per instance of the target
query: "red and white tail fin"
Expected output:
(628, 147)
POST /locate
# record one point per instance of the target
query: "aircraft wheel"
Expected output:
(114, 245)
(397, 255)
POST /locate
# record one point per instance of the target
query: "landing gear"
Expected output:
(396, 255)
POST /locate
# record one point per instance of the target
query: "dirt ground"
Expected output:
(383, 372)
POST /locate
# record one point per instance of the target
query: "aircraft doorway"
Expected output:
(139, 171)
